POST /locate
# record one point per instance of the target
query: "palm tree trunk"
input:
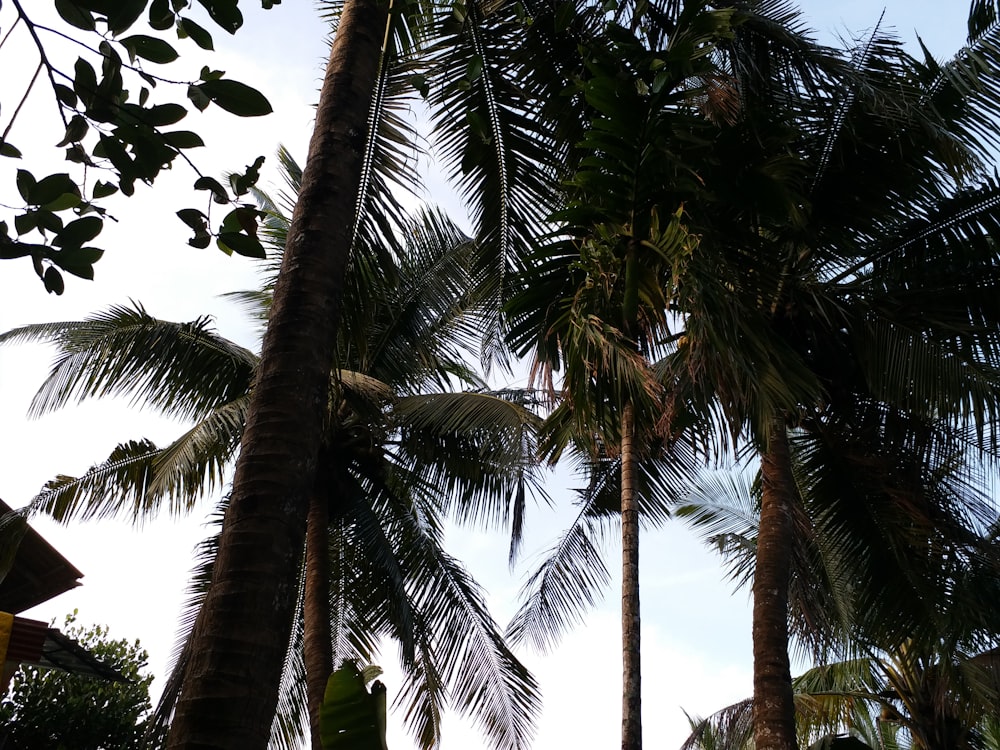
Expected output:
(317, 643)
(631, 675)
(773, 706)
(230, 692)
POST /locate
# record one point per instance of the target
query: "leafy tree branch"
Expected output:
(111, 127)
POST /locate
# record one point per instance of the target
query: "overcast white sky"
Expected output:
(696, 633)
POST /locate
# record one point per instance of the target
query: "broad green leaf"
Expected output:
(161, 17)
(49, 221)
(201, 240)
(115, 152)
(198, 35)
(659, 81)
(78, 261)
(242, 219)
(235, 97)
(66, 95)
(74, 15)
(9, 150)
(104, 189)
(475, 68)
(197, 221)
(26, 222)
(198, 97)
(149, 48)
(225, 13)
(125, 13)
(479, 125)
(64, 201)
(84, 80)
(219, 194)
(11, 250)
(351, 718)
(193, 218)
(52, 188)
(53, 281)
(207, 74)
(75, 131)
(420, 84)
(241, 183)
(78, 232)
(241, 244)
(165, 114)
(77, 154)
(151, 153)
(183, 139)
(25, 183)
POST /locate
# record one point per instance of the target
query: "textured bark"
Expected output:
(631, 674)
(317, 643)
(773, 706)
(230, 690)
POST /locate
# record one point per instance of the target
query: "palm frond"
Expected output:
(116, 485)
(905, 367)
(194, 464)
(965, 88)
(425, 325)
(182, 369)
(488, 132)
(382, 603)
(723, 508)
(730, 728)
(485, 680)
(391, 156)
(478, 449)
(570, 581)
(139, 478)
(422, 696)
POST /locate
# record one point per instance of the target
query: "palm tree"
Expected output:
(915, 697)
(807, 292)
(595, 305)
(914, 630)
(500, 152)
(401, 449)
(830, 308)
(911, 697)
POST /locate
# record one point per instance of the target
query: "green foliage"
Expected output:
(351, 717)
(595, 299)
(47, 708)
(917, 697)
(402, 449)
(114, 135)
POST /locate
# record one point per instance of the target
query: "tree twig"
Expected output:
(13, 118)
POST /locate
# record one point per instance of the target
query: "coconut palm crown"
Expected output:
(841, 282)
(402, 451)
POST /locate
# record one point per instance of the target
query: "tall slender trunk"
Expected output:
(773, 706)
(317, 643)
(230, 691)
(631, 675)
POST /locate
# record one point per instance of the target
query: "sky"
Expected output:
(696, 647)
